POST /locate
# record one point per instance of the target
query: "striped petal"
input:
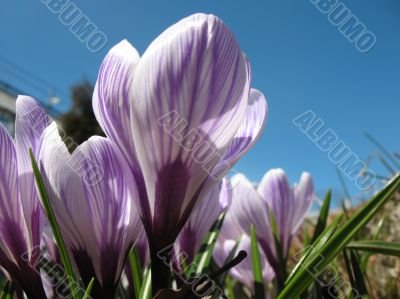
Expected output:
(248, 208)
(9, 190)
(92, 192)
(289, 206)
(31, 120)
(191, 92)
(199, 224)
(12, 222)
(111, 97)
(303, 198)
(14, 235)
(275, 190)
(248, 133)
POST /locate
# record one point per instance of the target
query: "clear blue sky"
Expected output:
(299, 60)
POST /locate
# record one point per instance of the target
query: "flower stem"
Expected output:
(160, 272)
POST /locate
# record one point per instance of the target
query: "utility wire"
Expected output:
(30, 77)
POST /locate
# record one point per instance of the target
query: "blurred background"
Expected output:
(300, 61)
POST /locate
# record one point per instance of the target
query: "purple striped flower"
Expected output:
(21, 216)
(183, 113)
(252, 205)
(289, 205)
(92, 193)
(240, 193)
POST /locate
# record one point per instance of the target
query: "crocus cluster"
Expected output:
(271, 200)
(176, 119)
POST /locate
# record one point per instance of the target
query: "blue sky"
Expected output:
(299, 61)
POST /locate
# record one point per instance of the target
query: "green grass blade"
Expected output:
(306, 234)
(257, 268)
(343, 183)
(377, 247)
(312, 250)
(384, 150)
(89, 289)
(10, 292)
(356, 278)
(305, 276)
(358, 275)
(350, 273)
(281, 277)
(323, 216)
(185, 266)
(230, 286)
(3, 283)
(4, 292)
(386, 164)
(136, 272)
(73, 283)
(203, 258)
(367, 255)
(145, 292)
(321, 240)
(345, 211)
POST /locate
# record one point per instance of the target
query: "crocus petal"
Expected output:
(12, 222)
(191, 88)
(248, 207)
(9, 190)
(248, 133)
(303, 197)
(92, 192)
(275, 190)
(231, 228)
(13, 230)
(289, 206)
(31, 120)
(61, 182)
(199, 224)
(111, 97)
(112, 100)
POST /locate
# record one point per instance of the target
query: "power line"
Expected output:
(45, 85)
(22, 78)
(14, 91)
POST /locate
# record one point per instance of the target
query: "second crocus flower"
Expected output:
(91, 192)
(252, 205)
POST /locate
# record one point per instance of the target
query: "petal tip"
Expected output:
(22, 99)
(124, 48)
